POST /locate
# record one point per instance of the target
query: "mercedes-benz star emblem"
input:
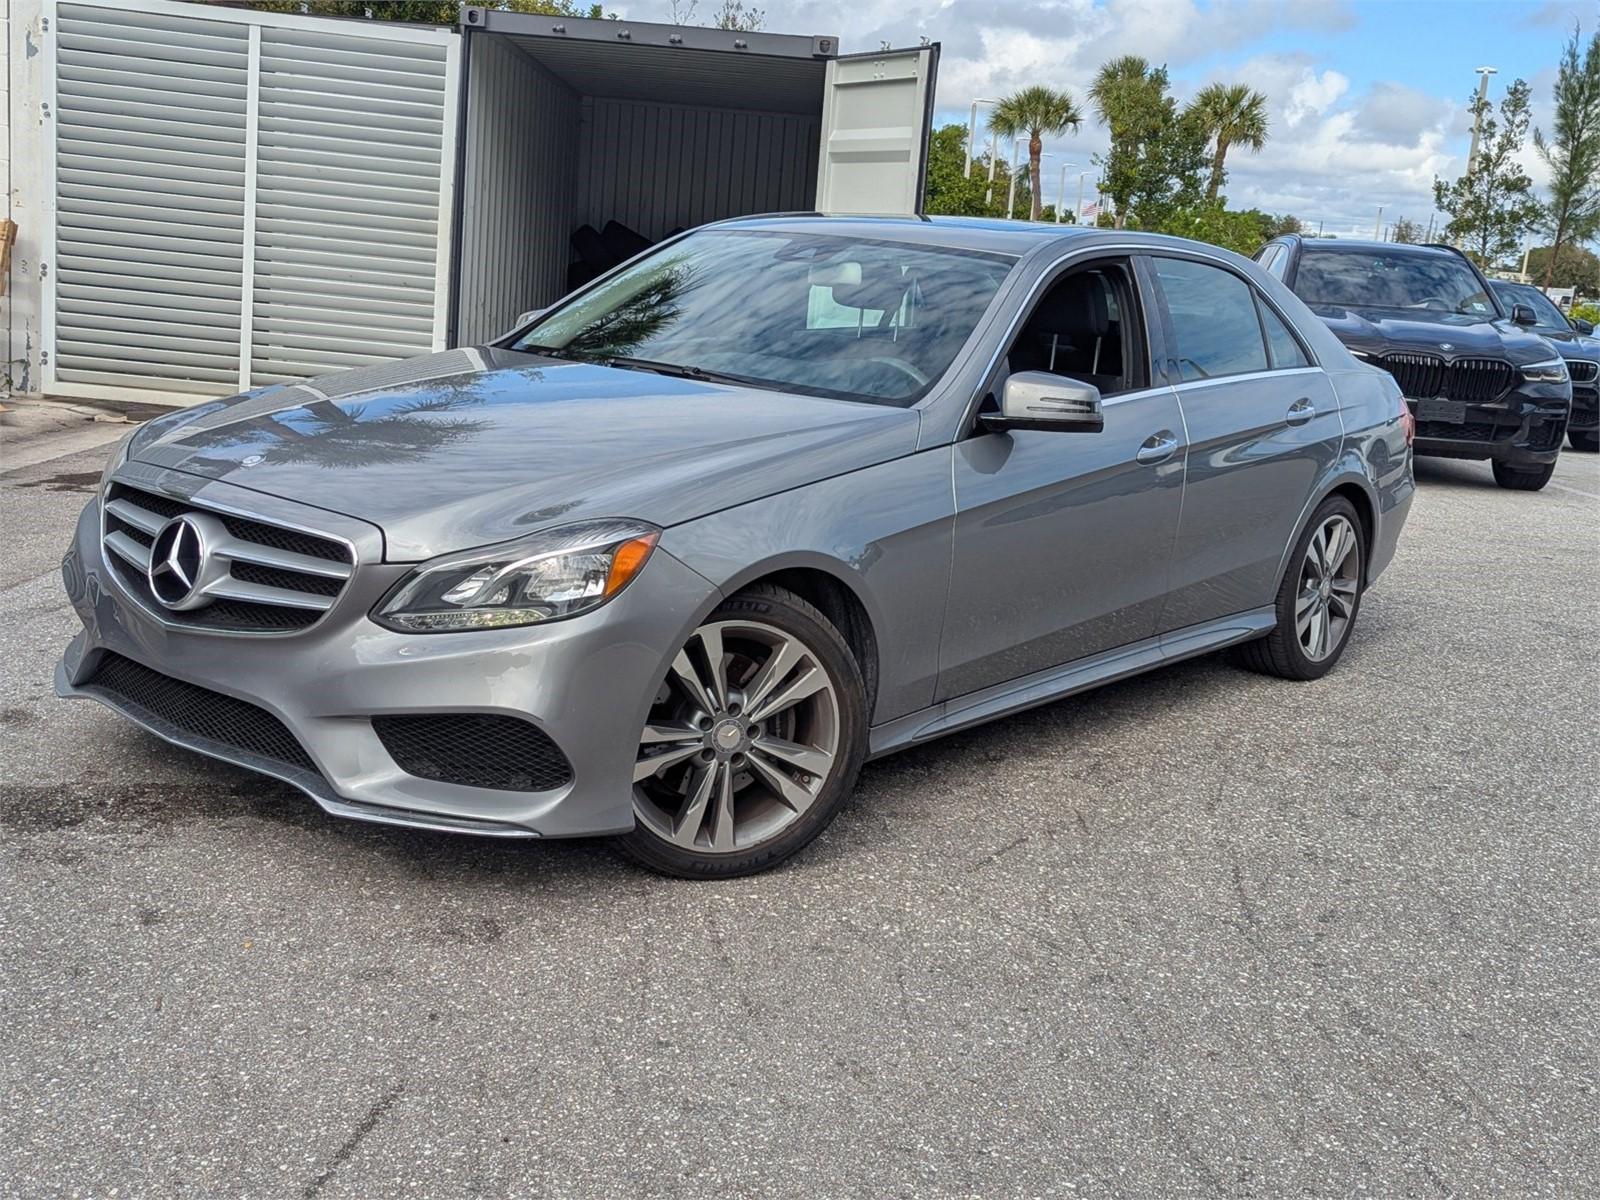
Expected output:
(176, 558)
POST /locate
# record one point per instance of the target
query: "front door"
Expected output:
(1063, 539)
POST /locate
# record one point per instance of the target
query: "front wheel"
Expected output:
(753, 743)
(1318, 599)
(1523, 479)
(1587, 440)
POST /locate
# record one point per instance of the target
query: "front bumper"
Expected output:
(586, 682)
(1521, 430)
(1585, 408)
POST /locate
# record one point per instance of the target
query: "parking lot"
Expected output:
(1203, 933)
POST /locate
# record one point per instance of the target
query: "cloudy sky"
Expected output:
(1367, 97)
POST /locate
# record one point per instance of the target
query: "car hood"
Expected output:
(476, 446)
(1387, 331)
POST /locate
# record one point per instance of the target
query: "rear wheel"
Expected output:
(1586, 440)
(1523, 479)
(1318, 599)
(753, 743)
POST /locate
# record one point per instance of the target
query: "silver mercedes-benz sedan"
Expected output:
(780, 495)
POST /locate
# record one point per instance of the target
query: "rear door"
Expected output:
(1262, 424)
(876, 114)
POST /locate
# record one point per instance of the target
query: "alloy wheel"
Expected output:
(1330, 580)
(740, 741)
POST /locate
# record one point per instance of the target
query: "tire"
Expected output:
(1523, 479)
(1586, 440)
(1294, 649)
(748, 777)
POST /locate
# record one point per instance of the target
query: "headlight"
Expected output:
(1552, 371)
(119, 455)
(559, 573)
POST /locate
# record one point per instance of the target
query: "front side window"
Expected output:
(1435, 282)
(1212, 314)
(1081, 328)
(820, 314)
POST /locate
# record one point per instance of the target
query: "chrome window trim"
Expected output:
(182, 627)
(1269, 373)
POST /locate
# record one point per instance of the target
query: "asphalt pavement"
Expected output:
(1201, 933)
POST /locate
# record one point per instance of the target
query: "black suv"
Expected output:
(1479, 384)
(1574, 341)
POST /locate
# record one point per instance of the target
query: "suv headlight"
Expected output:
(1551, 371)
(559, 573)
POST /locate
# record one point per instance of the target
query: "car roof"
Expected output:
(991, 234)
(1368, 245)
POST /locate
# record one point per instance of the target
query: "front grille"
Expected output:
(1466, 431)
(277, 580)
(197, 711)
(1472, 380)
(1583, 371)
(482, 750)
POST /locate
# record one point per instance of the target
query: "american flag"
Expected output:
(1091, 209)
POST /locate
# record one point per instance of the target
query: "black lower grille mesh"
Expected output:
(199, 711)
(475, 750)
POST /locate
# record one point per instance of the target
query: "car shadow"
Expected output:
(1454, 472)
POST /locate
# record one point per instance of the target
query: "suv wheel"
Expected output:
(1523, 479)
(1318, 598)
(753, 743)
(1586, 440)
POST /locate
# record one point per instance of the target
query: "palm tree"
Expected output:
(1233, 114)
(1039, 112)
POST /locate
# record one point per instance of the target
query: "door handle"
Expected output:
(1158, 447)
(1301, 411)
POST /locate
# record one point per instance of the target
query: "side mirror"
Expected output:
(523, 319)
(1584, 327)
(1040, 400)
(1522, 314)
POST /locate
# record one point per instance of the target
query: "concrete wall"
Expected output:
(23, 166)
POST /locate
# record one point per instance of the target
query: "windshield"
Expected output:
(1382, 279)
(814, 313)
(1543, 307)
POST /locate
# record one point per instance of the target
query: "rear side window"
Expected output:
(1278, 265)
(1212, 313)
(1268, 255)
(1286, 352)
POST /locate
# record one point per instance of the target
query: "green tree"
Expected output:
(952, 191)
(1404, 230)
(1231, 114)
(1037, 111)
(1579, 268)
(1492, 206)
(1572, 152)
(1157, 154)
(1278, 226)
(1208, 221)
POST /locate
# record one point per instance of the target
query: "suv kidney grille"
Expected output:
(1583, 372)
(278, 580)
(1473, 380)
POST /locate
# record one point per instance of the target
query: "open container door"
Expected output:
(876, 117)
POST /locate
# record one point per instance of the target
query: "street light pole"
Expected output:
(994, 157)
(1477, 120)
(1011, 195)
(1377, 225)
(1078, 215)
(972, 132)
(1061, 195)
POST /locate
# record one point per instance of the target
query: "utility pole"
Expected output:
(972, 131)
(1377, 225)
(1477, 120)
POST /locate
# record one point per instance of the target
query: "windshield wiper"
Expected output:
(677, 370)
